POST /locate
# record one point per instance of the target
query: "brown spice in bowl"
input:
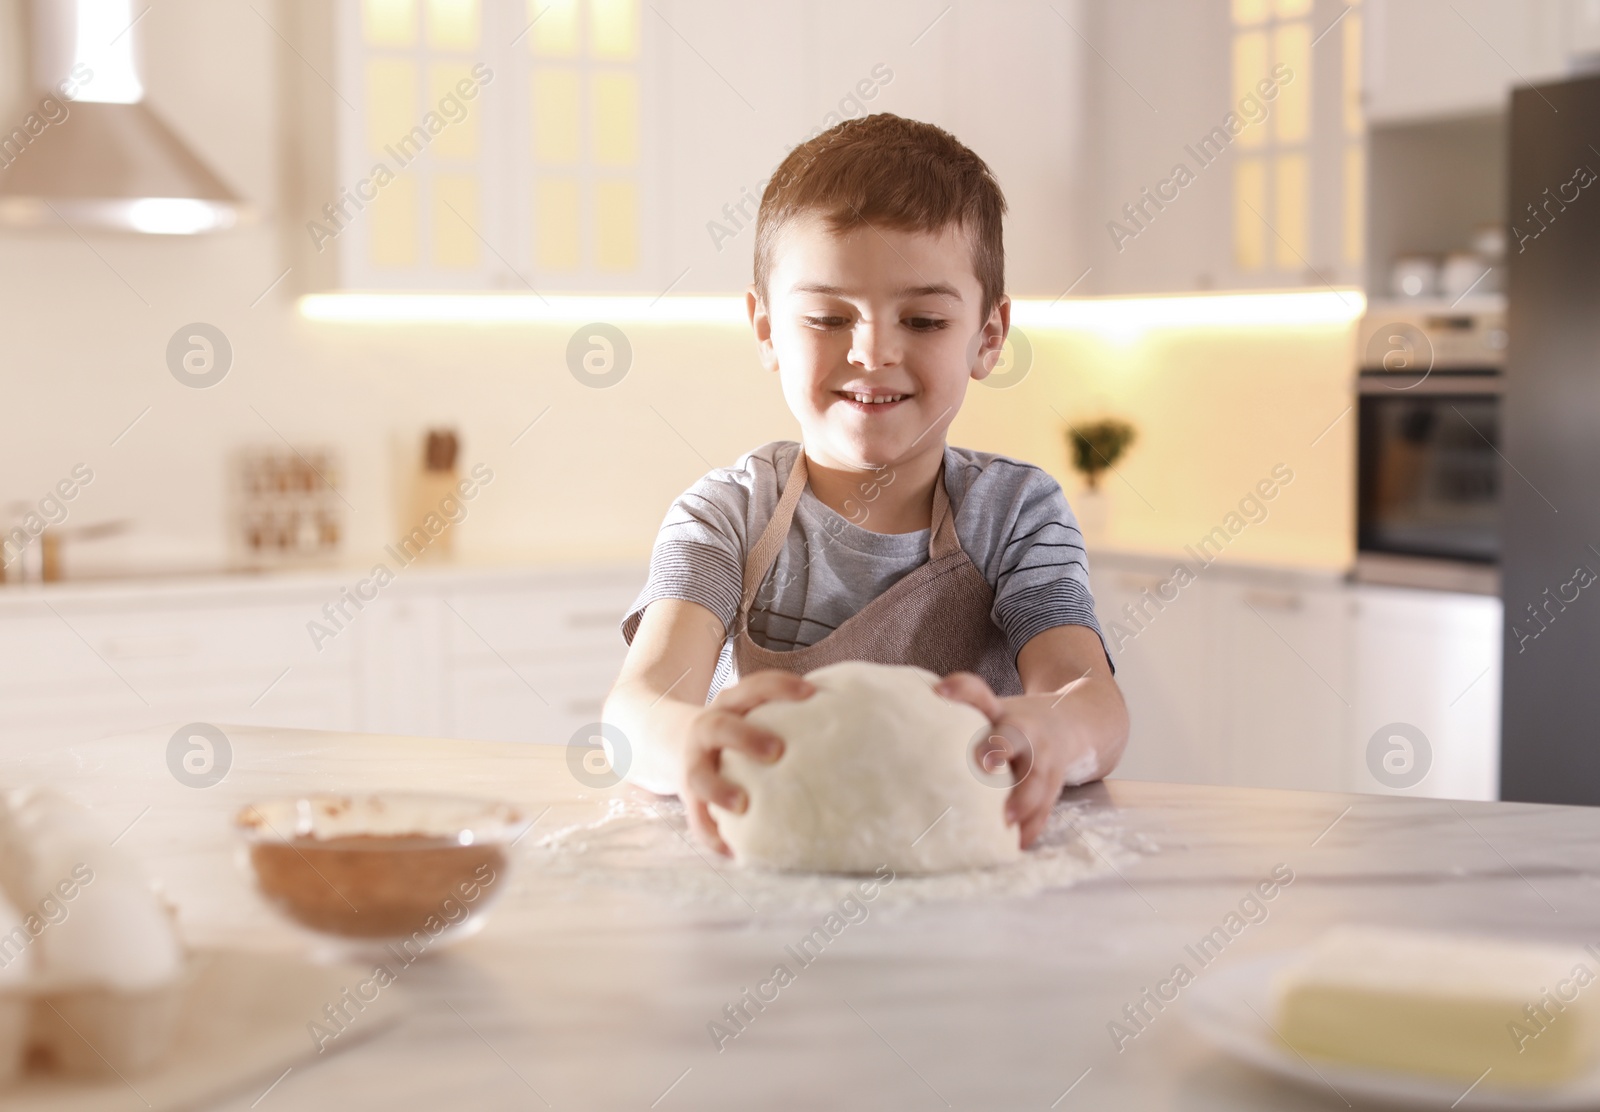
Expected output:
(377, 886)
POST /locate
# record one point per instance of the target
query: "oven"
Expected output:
(1429, 469)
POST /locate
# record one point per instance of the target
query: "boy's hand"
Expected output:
(1031, 734)
(722, 725)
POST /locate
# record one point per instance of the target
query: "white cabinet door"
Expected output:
(534, 663)
(402, 665)
(55, 689)
(1217, 145)
(522, 701)
(1239, 679)
(1458, 57)
(1021, 110)
(1145, 106)
(1285, 684)
(496, 656)
(728, 115)
(1168, 669)
(1429, 660)
(1003, 77)
(85, 668)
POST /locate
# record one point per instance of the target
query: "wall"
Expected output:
(86, 323)
(1216, 409)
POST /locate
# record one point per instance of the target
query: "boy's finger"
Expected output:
(968, 687)
(1032, 794)
(705, 827)
(706, 785)
(1034, 826)
(762, 687)
(731, 731)
(993, 752)
(1000, 744)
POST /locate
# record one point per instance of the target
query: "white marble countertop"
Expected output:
(213, 583)
(222, 585)
(1107, 559)
(591, 986)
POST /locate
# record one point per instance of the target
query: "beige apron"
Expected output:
(936, 616)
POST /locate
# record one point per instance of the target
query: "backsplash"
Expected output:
(586, 465)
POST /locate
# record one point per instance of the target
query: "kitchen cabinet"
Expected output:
(1431, 58)
(623, 147)
(1168, 669)
(533, 664)
(401, 667)
(1261, 677)
(502, 655)
(76, 667)
(506, 147)
(1241, 678)
(726, 116)
(1246, 676)
(1232, 160)
(1430, 660)
(1285, 688)
(727, 130)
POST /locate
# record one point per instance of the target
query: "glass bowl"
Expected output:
(405, 871)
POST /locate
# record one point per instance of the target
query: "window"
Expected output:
(583, 115)
(489, 144)
(1282, 159)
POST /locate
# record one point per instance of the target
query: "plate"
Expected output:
(1230, 1009)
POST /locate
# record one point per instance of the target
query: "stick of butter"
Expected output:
(1443, 1004)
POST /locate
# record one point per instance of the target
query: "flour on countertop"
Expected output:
(646, 845)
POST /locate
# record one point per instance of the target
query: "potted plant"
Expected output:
(1097, 446)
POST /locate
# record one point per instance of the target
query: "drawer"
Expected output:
(184, 642)
(494, 704)
(537, 624)
(42, 653)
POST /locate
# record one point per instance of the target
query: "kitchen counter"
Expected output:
(201, 586)
(592, 988)
(1282, 576)
(212, 582)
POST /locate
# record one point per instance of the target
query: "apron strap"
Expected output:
(942, 538)
(766, 549)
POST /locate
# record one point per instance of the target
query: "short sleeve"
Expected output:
(698, 555)
(1041, 571)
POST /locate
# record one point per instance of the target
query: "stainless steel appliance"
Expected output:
(1428, 468)
(1550, 709)
(93, 153)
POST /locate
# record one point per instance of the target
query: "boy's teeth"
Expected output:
(868, 399)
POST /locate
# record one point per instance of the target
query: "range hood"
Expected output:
(88, 150)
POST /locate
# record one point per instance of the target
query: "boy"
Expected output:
(878, 292)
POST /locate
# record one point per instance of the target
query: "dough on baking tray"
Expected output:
(877, 770)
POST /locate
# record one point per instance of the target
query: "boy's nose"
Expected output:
(873, 348)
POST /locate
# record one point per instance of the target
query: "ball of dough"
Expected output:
(877, 770)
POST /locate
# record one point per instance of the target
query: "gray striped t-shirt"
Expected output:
(1011, 518)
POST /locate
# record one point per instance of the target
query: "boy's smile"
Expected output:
(874, 332)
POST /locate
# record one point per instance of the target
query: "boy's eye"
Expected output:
(926, 324)
(824, 322)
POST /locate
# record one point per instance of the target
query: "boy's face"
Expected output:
(881, 313)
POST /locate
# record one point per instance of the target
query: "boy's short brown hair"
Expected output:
(898, 173)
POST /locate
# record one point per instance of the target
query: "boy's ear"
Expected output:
(991, 338)
(761, 323)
